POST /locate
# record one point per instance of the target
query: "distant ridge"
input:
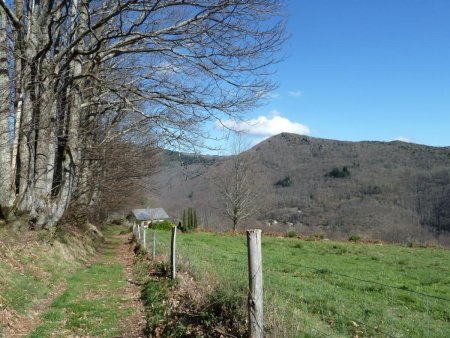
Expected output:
(394, 190)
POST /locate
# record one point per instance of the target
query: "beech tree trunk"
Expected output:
(5, 155)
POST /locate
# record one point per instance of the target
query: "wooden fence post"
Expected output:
(173, 252)
(154, 245)
(255, 295)
(145, 238)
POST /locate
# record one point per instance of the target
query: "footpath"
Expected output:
(97, 300)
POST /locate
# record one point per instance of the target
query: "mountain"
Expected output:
(393, 191)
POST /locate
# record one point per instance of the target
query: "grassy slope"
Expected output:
(306, 296)
(92, 304)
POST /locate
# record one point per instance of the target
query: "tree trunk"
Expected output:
(5, 149)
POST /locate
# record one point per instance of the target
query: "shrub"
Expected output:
(337, 173)
(291, 233)
(225, 308)
(153, 296)
(162, 268)
(354, 238)
(285, 182)
(165, 225)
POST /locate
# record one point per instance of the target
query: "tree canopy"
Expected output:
(81, 77)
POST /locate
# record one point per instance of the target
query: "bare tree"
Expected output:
(237, 185)
(79, 74)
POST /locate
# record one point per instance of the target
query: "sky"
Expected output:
(362, 70)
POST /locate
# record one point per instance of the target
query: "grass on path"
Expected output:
(33, 268)
(93, 303)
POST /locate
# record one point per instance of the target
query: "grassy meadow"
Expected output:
(326, 288)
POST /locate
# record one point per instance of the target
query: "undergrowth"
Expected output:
(177, 308)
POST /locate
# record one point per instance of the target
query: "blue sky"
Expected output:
(363, 70)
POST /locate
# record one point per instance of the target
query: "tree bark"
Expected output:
(5, 148)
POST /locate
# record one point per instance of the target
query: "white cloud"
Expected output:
(296, 93)
(274, 95)
(403, 139)
(266, 126)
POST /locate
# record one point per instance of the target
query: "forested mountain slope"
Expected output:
(386, 190)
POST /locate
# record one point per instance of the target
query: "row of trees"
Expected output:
(190, 220)
(89, 87)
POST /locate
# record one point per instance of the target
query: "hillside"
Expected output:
(392, 190)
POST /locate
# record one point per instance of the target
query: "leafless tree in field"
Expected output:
(237, 185)
(78, 75)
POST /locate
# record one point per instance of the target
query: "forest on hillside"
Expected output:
(392, 191)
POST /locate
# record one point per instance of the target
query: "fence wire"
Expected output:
(214, 262)
(367, 281)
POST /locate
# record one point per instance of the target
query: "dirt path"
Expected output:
(101, 299)
(133, 326)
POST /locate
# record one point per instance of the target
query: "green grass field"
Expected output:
(329, 289)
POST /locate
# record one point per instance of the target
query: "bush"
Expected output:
(153, 296)
(291, 233)
(354, 238)
(337, 173)
(165, 225)
(285, 182)
(225, 308)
